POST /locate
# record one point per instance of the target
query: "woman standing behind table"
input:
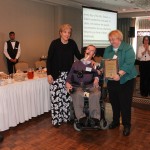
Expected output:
(60, 59)
(144, 67)
(121, 86)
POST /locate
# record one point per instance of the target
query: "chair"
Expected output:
(41, 63)
(97, 59)
(22, 66)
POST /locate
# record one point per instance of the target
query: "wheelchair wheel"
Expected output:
(77, 126)
(104, 124)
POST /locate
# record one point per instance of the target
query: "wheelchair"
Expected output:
(89, 123)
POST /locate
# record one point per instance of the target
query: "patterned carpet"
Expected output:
(140, 102)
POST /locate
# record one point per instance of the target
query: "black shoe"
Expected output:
(126, 131)
(96, 121)
(113, 125)
(1, 138)
(56, 125)
(82, 120)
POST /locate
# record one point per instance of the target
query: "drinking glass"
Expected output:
(30, 73)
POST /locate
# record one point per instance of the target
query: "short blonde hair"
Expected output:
(117, 34)
(64, 27)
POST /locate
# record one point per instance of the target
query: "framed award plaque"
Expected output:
(110, 68)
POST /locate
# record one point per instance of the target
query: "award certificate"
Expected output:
(110, 68)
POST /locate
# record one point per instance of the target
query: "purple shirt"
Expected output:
(89, 73)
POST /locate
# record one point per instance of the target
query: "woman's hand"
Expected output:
(116, 77)
(68, 87)
(143, 52)
(119, 75)
(50, 79)
(146, 49)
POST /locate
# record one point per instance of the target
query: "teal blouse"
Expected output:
(126, 60)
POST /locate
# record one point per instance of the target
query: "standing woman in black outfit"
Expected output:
(60, 59)
(144, 67)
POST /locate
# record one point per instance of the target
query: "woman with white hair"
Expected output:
(121, 85)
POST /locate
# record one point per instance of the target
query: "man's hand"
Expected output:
(13, 60)
(68, 87)
(50, 79)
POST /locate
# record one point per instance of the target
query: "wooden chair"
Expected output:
(41, 63)
(97, 59)
(22, 66)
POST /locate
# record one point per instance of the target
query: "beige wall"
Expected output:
(72, 16)
(35, 25)
(75, 19)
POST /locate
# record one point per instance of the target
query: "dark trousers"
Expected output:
(120, 96)
(11, 66)
(144, 69)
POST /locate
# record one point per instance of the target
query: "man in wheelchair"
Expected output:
(83, 84)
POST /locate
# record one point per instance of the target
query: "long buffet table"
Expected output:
(21, 101)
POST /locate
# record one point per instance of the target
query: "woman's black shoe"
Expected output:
(126, 131)
(56, 125)
(113, 125)
(1, 138)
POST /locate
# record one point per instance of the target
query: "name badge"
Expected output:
(88, 69)
(115, 57)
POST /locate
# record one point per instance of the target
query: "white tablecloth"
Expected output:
(21, 101)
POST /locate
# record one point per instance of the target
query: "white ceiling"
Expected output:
(121, 6)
